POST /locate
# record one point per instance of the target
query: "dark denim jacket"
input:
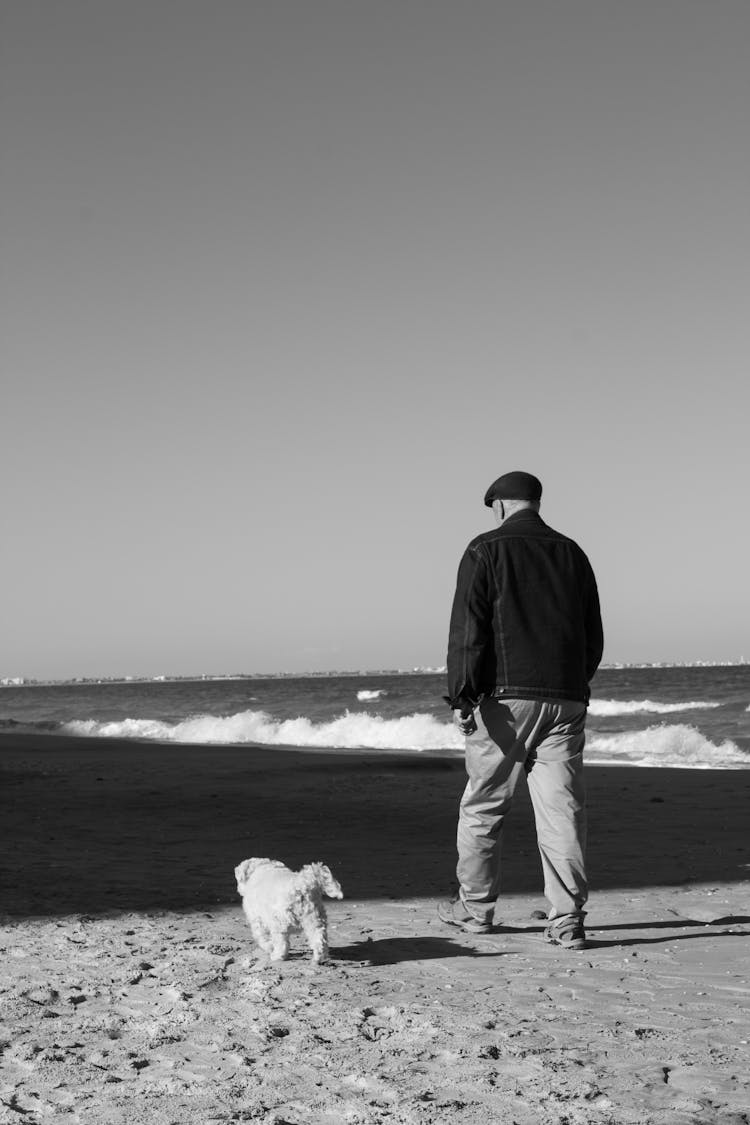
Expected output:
(526, 620)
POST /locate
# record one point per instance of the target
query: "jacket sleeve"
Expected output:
(470, 629)
(594, 631)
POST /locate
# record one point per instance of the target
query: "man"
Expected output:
(525, 640)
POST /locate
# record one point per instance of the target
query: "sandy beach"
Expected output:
(131, 991)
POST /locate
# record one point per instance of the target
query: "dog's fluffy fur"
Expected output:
(279, 902)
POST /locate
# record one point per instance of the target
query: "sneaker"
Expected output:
(455, 914)
(567, 931)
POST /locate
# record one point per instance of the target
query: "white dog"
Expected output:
(279, 902)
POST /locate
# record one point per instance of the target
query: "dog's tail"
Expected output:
(321, 875)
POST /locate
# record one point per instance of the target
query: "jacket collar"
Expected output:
(525, 515)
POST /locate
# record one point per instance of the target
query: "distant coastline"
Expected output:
(26, 681)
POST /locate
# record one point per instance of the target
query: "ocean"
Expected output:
(695, 717)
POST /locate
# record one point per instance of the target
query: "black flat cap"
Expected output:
(514, 486)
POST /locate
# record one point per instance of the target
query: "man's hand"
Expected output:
(464, 719)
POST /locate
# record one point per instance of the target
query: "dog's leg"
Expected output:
(279, 946)
(261, 935)
(315, 930)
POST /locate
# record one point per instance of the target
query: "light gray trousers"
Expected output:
(545, 739)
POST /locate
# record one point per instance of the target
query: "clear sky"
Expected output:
(286, 285)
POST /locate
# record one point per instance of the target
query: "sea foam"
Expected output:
(603, 707)
(671, 746)
(352, 730)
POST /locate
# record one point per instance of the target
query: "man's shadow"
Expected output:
(395, 950)
(676, 924)
(706, 931)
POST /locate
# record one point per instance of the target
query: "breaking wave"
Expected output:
(672, 746)
(604, 707)
(352, 730)
(366, 695)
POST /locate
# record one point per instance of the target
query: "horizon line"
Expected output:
(30, 681)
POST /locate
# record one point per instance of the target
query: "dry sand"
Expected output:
(130, 990)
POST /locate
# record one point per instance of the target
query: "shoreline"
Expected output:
(136, 825)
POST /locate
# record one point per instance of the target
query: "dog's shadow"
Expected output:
(392, 951)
